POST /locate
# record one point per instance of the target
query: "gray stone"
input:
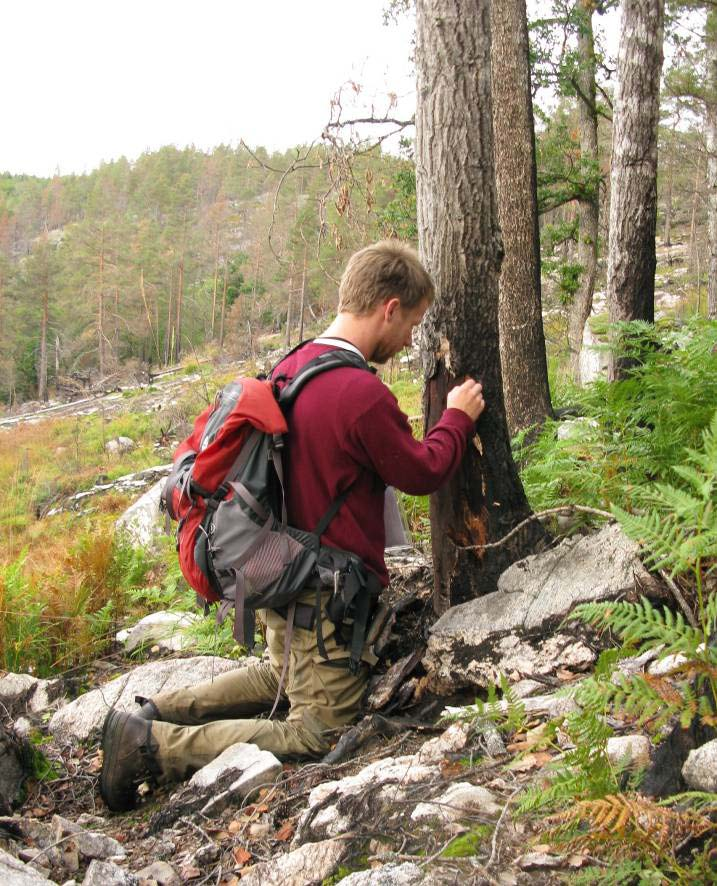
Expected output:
(700, 769)
(593, 357)
(461, 799)
(84, 716)
(310, 863)
(23, 694)
(632, 751)
(120, 445)
(392, 874)
(161, 872)
(452, 741)
(511, 631)
(105, 873)
(233, 775)
(142, 522)
(164, 629)
(14, 873)
(387, 780)
(90, 844)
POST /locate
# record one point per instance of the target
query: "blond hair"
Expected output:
(387, 269)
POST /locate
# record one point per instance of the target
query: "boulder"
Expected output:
(22, 694)
(593, 357)
(460, 800)
(512, 631)
(392, 874)
(84, 716)
(631, 751)
(14, 873)
(142, 522)
(163, 629)
(310, 863)
(106, 873)
(233, 775)
(161, 872)
(89, 844)
(700, 769)
(331, 807)
(120, 445)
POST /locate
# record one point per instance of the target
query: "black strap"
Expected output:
(332, 511)
(328, 360)
(319, 626)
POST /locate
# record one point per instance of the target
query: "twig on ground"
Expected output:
(494, 841)
(196, 827)
(583, 509)
(689, 614)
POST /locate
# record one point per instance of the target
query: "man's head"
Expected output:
(387, 269)
(386, 290)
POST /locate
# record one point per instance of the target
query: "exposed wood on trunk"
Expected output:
(711, 139)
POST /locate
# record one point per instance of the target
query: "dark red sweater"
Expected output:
(346, 428)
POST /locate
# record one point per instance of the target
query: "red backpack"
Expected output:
(226, 491)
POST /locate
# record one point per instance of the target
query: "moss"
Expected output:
(468, 844)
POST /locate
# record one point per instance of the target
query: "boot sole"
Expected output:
(117, 801)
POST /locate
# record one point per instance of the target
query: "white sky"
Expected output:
(91, 80)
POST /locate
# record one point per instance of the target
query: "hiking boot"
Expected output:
(148, 709)
(128, 758)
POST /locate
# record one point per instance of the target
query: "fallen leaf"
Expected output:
(285, 832)
(190, 873)
(530, 761)
(235, 826)
(241, 856)
(449, 769)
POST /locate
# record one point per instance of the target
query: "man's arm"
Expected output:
(382, 440)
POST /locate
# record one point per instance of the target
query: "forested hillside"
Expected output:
(141, 262)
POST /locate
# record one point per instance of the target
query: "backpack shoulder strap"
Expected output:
(328, 360)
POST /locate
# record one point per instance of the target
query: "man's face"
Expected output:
(397, 329)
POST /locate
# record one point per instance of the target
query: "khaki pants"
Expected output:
(199, 722)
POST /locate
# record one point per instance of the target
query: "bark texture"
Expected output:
(711, 140)
(522, 341)
(588, 208)
(460, 244)
(633, 178)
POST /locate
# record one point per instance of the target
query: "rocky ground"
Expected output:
(406, 797)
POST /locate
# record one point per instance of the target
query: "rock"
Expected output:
(142, 522)
(531, 861)
(459, 800)
(14, 873)
(700, 769)
(81, 718)
(663, 666)
(163, 628)
(386, 779)
(105, 873)
(576, 428)
(310, 863)
(120, 445)
(233, 775)
(512, 629)
(90, 844)
(23, 693)
(161, 872)
(593, 357)
(12, 769)
(632, 751)
(454, 739)
(392, 874)
(552, 706)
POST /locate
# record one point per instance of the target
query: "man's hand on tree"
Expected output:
(468, 397)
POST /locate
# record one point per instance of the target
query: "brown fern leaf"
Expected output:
(664, 689)
(628, 825)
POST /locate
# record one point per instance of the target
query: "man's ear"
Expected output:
(390, 307)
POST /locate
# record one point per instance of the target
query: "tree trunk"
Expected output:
(711, 140)
(667, 230)
(42, 362)
(178, 318)
(460, 244)
(633, 177)
(522, 341)
(101, 307)
(302, 303)
(588, 208)
(216, 281)
(224, 305)
(289, 319)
